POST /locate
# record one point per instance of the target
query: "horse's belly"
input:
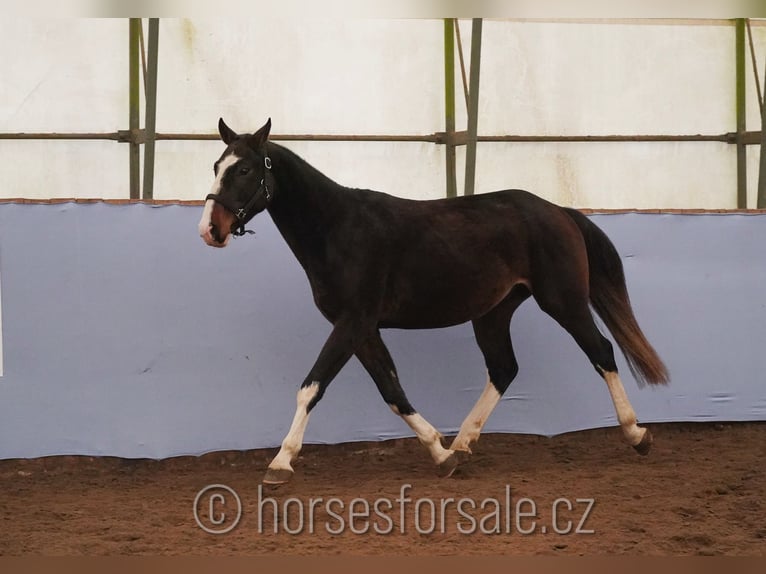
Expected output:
(443, 305)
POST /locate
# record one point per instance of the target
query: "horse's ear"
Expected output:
(228, 135)
(261, 136)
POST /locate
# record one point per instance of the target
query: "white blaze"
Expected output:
(207, 212)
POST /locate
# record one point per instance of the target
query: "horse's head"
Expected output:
(243, 185)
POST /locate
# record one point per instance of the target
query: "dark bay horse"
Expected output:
(375, 261)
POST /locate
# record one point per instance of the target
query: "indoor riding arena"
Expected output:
(208, 225)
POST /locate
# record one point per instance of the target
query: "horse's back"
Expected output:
(507, 221)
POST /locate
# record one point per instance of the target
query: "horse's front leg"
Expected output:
(346, 336)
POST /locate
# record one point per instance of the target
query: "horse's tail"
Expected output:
(609, 298)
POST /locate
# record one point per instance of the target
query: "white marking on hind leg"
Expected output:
(427, 435)
(477, 418)
(625, 413)
(293, 442)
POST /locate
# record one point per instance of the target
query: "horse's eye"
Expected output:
(244, 171)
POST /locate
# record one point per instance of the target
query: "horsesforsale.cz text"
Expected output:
(218, 509)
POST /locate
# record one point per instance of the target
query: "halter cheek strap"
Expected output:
(243, 214)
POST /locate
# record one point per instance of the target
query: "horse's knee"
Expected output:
(310, 393)
(501, 376)
(400, 407)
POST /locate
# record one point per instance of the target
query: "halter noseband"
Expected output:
(243, 214)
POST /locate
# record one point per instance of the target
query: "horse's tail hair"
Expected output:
(609, 298)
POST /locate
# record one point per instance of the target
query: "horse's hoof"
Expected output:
(645, 445)
(277, 476)
(449, 464)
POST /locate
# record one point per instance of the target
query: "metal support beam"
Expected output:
(449, 104)
(473, 108)
(761, 201)
(151, 108)
(134, 103)
(741, 117)
(459, 138)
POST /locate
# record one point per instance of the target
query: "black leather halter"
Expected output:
(245, 212)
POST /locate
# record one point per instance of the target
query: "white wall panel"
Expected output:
(63, 74)
(310, 76)
(605, 175)
(49, 169)
(357, 76)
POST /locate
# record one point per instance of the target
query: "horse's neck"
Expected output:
(306, 204)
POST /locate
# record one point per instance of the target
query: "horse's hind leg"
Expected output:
(494, 339)
(571, 311)
(376, 359)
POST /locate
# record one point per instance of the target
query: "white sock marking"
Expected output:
(427, 435)
(477, 418)
(625, 413)
(293, 442)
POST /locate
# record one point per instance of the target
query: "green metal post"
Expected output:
(151, 107)
(449, 104)
(473, 108)
(741, 117)
(134, 103)
(761, 204)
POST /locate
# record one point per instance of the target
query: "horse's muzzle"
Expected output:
(214, 229)
(212, 237)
